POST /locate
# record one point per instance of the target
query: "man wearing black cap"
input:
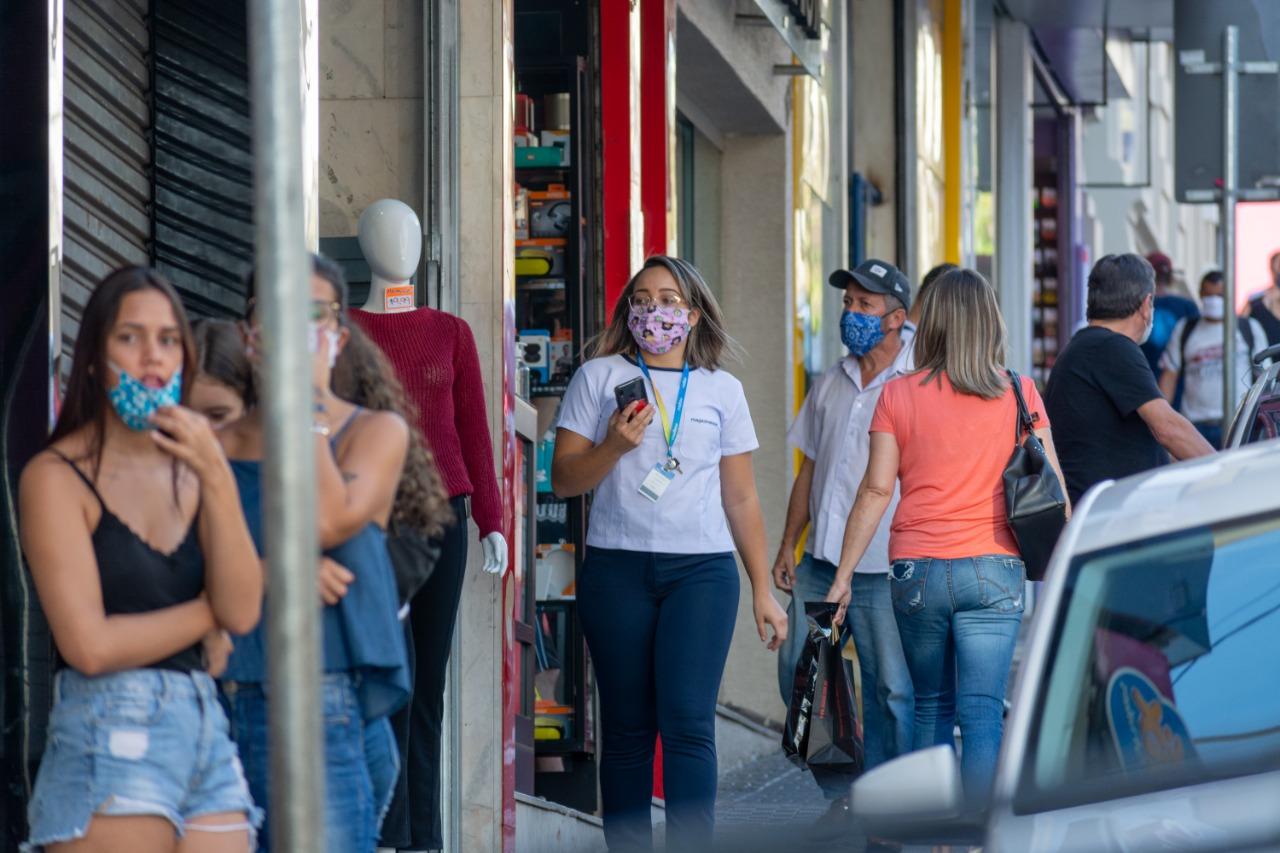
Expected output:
(832, 431)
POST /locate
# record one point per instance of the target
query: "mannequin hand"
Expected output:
(495, 554)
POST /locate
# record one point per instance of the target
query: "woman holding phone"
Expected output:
(675, 494)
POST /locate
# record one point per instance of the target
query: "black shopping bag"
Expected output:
(822, 728)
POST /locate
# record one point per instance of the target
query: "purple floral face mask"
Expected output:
(658, 328)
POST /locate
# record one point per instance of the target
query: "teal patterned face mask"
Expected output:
(135, 403)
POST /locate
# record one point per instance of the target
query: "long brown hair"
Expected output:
(364, 376)
(708, 344)
(962, 334)
(220, 352)
(85, 402)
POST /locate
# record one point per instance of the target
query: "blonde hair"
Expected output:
(962, 334)
(708, 343)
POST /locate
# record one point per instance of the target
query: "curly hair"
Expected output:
(364, 376)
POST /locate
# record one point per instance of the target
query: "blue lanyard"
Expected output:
(670, 430)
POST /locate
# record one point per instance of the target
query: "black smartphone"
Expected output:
(628, 392)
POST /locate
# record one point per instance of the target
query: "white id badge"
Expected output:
(655, 485)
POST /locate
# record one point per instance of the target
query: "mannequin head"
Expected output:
(390, 237)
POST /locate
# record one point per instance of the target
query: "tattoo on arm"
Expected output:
(348, 476)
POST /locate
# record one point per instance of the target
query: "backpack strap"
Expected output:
(1188, 326)
(1245, 325)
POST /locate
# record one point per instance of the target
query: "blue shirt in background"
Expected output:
(1169, 310)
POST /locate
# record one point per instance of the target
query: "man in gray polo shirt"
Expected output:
(832, 431)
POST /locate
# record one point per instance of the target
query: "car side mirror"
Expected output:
(920, 785)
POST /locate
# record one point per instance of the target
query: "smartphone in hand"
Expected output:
(628, 392)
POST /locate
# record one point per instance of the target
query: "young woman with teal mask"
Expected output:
(132, 527)
(675, 495)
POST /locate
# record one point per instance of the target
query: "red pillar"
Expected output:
(620, 128)
(658, 109)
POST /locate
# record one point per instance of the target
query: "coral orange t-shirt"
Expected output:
(954, 448)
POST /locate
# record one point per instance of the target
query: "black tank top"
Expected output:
(1270, 324)
(136, 578)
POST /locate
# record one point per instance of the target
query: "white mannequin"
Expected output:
(390, 235)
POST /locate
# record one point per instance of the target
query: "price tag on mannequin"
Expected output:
(398, 297)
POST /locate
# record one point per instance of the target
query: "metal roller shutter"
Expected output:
(203, 202)
(107, 153)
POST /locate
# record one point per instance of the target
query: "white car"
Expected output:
(1147, 712)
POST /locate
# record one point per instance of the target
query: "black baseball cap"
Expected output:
(876, 276)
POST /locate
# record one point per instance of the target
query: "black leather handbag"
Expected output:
(413, 558)
(1034, 500)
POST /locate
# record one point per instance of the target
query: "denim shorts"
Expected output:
(137, 742)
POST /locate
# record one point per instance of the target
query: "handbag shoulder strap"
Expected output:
(1024, 414)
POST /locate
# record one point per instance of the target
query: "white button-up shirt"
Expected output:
(833, 429)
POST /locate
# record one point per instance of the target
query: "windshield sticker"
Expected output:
(1146, 728)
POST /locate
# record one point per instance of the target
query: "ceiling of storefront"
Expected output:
(1072, 37)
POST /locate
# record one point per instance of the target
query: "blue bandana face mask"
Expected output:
(135, 403)
(860, 332)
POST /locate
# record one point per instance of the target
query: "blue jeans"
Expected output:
(888, 706)
(658, 627)
(361, 762)
(959, 624)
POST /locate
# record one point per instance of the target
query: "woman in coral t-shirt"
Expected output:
(946, 432)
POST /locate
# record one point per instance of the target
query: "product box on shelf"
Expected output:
(538, 157)
(550, 212)
(526, 114)
(560, 356)
(541, 257)
(522, 213)
(541, 304)
(560, 140)
(531, 351)
(554, 565)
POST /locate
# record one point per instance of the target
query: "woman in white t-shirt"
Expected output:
(658, 591)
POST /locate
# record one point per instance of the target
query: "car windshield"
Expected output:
(1163, 667)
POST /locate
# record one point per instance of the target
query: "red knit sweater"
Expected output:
(434, 355)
